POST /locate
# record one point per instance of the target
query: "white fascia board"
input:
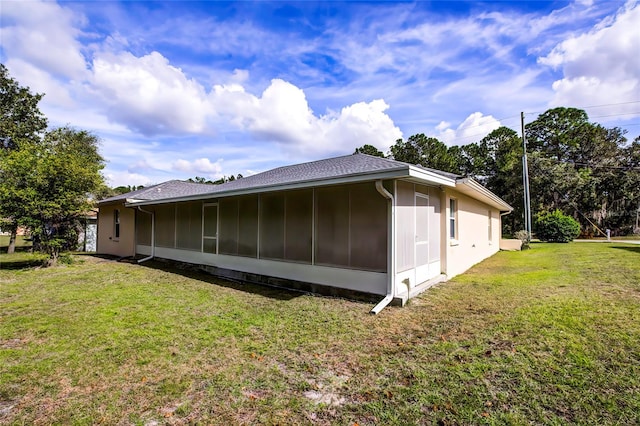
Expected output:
(431, 177)
(132, 201)
(315, 183)
(473, 189)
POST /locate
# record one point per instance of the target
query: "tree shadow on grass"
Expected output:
(194, 272)
(633, 249)
(14, 264)
(272, 287)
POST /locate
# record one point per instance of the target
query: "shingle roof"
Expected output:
(330, 168)
(170, 189)
(321, 170)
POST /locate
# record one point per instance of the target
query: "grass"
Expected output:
(22, 258)
(22, 243)
(19, 260)
(545, 336)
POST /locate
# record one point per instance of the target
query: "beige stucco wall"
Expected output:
(473, 243)
(107, 243)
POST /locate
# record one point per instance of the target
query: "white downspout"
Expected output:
(501, 216)
(391, 255)
(153, 235)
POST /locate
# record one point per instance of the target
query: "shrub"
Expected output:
(556, 227)
(523, 236)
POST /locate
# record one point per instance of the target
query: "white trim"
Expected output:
(456, 226)
(350, 279)
(478, 192)
(421, 270)
(430, 177)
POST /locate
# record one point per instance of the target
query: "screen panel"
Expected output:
(143, 228)
(298, 226)
(165, 225)
(332, 226)
(248, 226)
(369, 228)
(272, 226)
(228, 231)
(189, 225)
(210, 221)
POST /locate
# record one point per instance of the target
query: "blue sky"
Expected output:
(183, 89)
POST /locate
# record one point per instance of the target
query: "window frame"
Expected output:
(454, 235)
(116, 224)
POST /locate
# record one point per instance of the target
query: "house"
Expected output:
(355, 223)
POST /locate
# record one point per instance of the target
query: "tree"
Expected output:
(425, 151)
(628, 210)
(47, 186)
(369, 150)
(20, 121)
(580, 168)
(20, 118)
(557, 132)
(198, 179)
(503, 171)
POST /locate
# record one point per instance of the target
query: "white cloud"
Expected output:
(472, 129)
(359, 124)
(40, 81)
(203, 90)
(45, 35)
(148, 94)
(282, 115)
(600, 66)
(200, 165)
(115, 179)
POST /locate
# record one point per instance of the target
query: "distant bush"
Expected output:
(523, 236)
(556, 227)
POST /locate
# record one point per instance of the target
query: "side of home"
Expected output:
(354, 223)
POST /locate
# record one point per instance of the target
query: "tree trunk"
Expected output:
(12, 239)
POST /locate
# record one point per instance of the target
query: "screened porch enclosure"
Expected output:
(418, 232)
(344, 226)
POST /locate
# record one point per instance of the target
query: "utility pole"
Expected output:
(525, 182)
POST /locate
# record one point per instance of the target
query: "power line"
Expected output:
(591, 106)
(605, 105)
(616, 115)
(592, 166)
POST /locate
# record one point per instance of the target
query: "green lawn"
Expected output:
(22, 244)
(545, 336)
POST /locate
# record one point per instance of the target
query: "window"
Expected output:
(453, 219)
(116, 224)
(490, 228)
